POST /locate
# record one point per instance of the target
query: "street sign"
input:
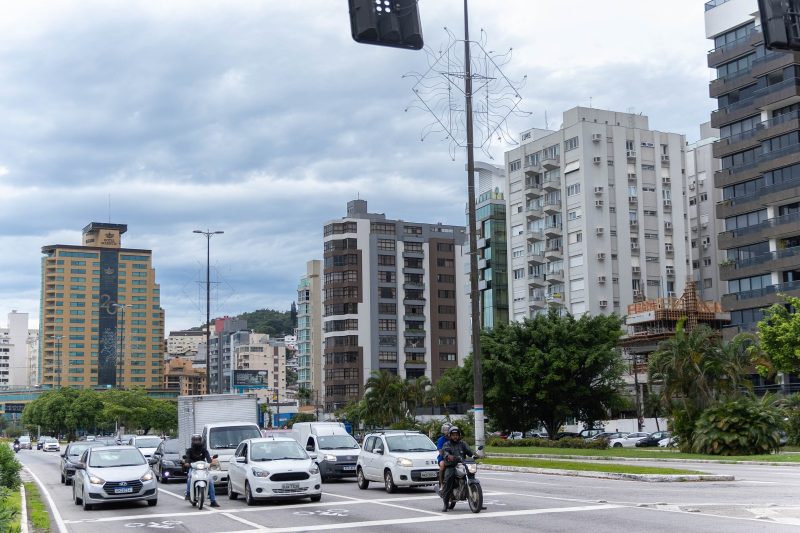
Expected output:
(14, 408)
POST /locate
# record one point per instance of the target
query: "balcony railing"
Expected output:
(766, 257)
(765, 291)
(769, 223)
(714, 3)
(737, 42)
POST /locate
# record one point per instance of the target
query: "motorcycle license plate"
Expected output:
(290, 486)
(428, 474)
(349, 467)
(123, 490)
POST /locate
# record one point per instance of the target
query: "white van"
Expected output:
(222, 439)
(336, 450)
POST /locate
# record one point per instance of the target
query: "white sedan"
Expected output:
(51, 445)
(628, 441)
(273, 468)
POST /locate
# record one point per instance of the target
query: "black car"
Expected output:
(653, 438)
(72, 454)
(166, 461)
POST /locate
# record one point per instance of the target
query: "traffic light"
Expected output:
(780, 23)
(386, 23)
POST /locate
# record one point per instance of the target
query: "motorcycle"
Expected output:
(16, 448)
(198, 489)
(467, 487)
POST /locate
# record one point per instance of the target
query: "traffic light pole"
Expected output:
(477, 383)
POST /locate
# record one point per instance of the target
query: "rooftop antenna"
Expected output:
(590, 102)
(109, 208)
(546, 122)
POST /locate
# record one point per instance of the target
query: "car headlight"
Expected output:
(330, 458)
(402, 461)
(94, 480)
(472, 468)
(148, 476)
(313, 469)
(260, 473)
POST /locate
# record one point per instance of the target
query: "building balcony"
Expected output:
(552, 185)
(553, 231)
(777, 92)
(535, 236)
(414, 332)
(413, 270)
(550, 162)
(786, 259)
(410, 360)
(772, 61)
(533, 190)
(414, 349)
(537, 280)
(727, 84)
(414, 254)
(414, 318)
(763, 297)
(551, 208)
(536, 257)
(413, 285)
(537, 300)
(732, 50)
(783, 226)
(554, 254)
(414, 301)
(534, 212)
(732, 113)
(556, 276)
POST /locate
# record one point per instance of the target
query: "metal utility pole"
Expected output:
(57, 380)
(208, 234)
(121, 349)
(477, 383)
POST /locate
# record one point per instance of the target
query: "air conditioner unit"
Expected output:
(598, 203)
(634, 246)
(597, 137)
(665, 158)
(631, 176)
(668, 248)
(603, 303)
(691, 185)
(667, 202)
(634, 222)
(601, 279)
(636, 269)
(633, 199)
(598, 231)
(705, 245)
(631, 154)
(667, 225)
(597, 160)
(666, 181)
(637, 293)
(598, 190)
(601, 256)
(670, 270)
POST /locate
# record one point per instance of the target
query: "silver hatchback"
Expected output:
(111, 474)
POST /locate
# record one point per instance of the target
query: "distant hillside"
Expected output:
(275, 323)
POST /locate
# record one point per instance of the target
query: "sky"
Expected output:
(263, 118)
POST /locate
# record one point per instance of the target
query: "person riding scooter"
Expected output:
(440, 442)
(16, 445)
(197, 452)
(452, 452)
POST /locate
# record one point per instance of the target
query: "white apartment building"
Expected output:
(17, 367)
(257, 351)
(309, 330)
(597, 215)
(185, 343)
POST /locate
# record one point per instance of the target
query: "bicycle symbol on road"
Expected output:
(164, 524)
(325, 512)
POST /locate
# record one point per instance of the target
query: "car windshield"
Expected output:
(118, 457)
(172, 446)
(77, 449)
(24, 439)
(410, 443)
(337, 442)
(147, 442)
(274, 450)
(230, 437)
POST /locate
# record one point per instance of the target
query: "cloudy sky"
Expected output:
(262, 118)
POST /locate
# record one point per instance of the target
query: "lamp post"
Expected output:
(121, 348)
(208, 234)
(58, 338)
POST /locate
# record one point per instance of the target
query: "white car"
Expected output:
(628, 441)
(273, 468)
(397, 459)
(51, 445)
(669, 442)
(147, 444)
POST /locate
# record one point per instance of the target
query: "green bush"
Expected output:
(9, 468)
(745, 426)
(8, 511)
(574, 443)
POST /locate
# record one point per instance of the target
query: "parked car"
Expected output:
(274, 468)
(669, 442)
(40, 442)
(166, 461)
(536, 434)
(567, 435)
(397, 459)
(515, 435)
(147, 444)
(51, 445)
(25, 442)
(608, 435)
(589, 433)
(71, 456)
(628, 441)
(653, 439)
(113, 473)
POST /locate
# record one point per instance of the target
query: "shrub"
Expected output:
(574, 443)
(745, 426)
(8, 511)
(9, 468)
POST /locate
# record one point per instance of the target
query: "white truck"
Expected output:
(336, 450)
(224, 421)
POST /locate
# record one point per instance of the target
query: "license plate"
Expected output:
(349, 467)
(123, 490)
(290, 486)
(428, 474)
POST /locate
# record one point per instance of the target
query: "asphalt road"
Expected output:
(764, 498)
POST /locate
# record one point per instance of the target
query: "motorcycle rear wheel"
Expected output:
(200, 496)
(475, 498)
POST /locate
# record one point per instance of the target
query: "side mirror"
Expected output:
(480, 447)
(310, 448)
(64, 454)
(152, 461)
(241, 459)
(379, 451)
(313, 456)
(80, 466)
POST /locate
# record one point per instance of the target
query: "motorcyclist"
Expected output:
(17, 445)
(453, 451)
(439, 459)
(197, 452)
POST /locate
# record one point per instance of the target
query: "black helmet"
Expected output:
(197, 439)
(454, 429)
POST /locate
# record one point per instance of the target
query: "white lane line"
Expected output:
(484, 476)
(23, 510)
(403, 507)
(165, 491)
(258, 527)
(450, 517)
(62, 527)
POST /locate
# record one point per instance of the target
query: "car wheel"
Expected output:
(152, 503)
(617, 445)
(316, 497)
(75, 498)
(87, 506)
(231, 495)
(248, 495)
(388, 482)
(63, 479)
(363, 483)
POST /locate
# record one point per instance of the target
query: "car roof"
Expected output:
(115, 448)
(269, 439)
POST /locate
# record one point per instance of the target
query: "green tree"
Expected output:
(383, 398)
(743, 426)
(552, 367)
(269, 321)
(416, 393)
(85, 410)
(779, 335)
(162, 416)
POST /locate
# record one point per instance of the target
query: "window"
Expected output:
(570, 144)
(387, 292)
(387, 276)
(412, 246)
(519, 273)
(412, 230)
(386, 245)
(386, 260)
(573, 189)
(515, 165)
(574, 214)
(445, 247)
(383, 228)
(445, 263)
(744, 220)
(575, 237)
(445, 293)
(385, 324)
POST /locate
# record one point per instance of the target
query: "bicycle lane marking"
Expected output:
(62, 526)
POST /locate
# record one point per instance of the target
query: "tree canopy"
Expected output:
(269, 321)
(779, 334)
(551, 367)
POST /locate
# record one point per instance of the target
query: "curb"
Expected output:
(651, 478)
(23, 508)
(640, 459)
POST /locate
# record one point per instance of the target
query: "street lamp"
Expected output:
(57, 338)
(121, 349)
(208, 234)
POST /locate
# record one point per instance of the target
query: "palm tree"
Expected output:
(416, 393)
(384, 398)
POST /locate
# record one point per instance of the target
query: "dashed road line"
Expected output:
(243, 521)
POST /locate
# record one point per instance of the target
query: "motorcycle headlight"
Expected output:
(330, 458)
(200, 466)
(313, 469)
(148, 476)
(260, 473)
(402, 461)
(94, 480)
(472, 468)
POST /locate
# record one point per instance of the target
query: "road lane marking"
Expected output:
(165, 491)
(62, 527)
(242, 520)
(519, 481)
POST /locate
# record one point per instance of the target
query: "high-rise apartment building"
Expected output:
(220, 356)
(597, 214)
(16, 368)
(394, 299)
(185, 343)
(309, 331)
(703, 197)
(181, 375)
(758, 116)
(258, 352)
(101, 323)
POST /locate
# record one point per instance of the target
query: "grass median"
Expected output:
(642, 453)
(38, 515)
(613, 468)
